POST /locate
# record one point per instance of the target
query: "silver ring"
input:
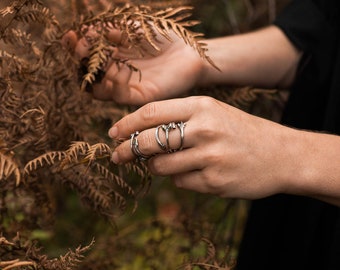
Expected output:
(170, 126)
(161, 145)
(181, 126)
(135, 148)
(167, 128)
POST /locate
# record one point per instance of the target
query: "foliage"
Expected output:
(28, 256)
(55, 156)
(139, 26)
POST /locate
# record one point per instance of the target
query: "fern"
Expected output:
(100, 186)
(139, 25)
(110, 176)
(8, 168)
(98, 150)
(49, 158)
(99, 57)
(28, 256)
(176, 20)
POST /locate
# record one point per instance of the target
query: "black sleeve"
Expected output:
(313, 26)
(308, 23)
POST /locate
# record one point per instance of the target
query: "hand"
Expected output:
(226, 152)
(170, 73)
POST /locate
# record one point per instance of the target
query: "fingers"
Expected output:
(69, 40)
(80, 45)
(194, 180)
(207, 181)
(159, 140)
(122, 85)
(179, 162)
(114, 35)
(152, 115)
(176, 163)
(114, 86)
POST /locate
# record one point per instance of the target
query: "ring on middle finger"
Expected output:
(161, 145)
(166, 128)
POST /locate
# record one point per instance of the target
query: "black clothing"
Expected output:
(291, 232)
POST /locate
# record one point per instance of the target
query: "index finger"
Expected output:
(153, 114)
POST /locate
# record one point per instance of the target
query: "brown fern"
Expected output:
(9, 168)
(140, 25)
(28, 256)
(101, 187)
(49, 158)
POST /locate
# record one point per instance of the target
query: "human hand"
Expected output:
(167, 73)
(226, 152)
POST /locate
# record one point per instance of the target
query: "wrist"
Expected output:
(314, 167)
(210, 71)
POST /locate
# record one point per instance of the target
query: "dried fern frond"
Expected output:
(161, 4)
(112, 177)
(15, 6)
(49, 158)
(8, 167)
(96, 193)
(10, 10)
(21, 38)
(70, 260)
(141, 171)
(175, 19)
(11, 59)
(244, 97)
(98, 59)
(140, 27)
(39, 124)
(98, 150)
(16, 264)
(40, 14)
(28, 256)
(89, 170)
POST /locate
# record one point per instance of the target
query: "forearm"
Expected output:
(314, 168)
(264, 58)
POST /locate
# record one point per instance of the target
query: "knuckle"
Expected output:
(206, 133)
(199, 103)
(148, 112)
(205, 102)
(156, 167)
(213, 155)
(212, 182)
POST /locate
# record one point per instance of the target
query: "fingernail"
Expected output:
(115, 158)
(113, 132)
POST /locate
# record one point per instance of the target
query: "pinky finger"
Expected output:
(193, 180)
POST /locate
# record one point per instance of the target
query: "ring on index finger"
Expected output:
(134, 145)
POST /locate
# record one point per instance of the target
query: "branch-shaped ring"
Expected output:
(166, 129)
(134, 145)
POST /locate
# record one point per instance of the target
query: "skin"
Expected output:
(227, 152)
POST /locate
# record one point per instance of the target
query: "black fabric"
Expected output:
(290, 232)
